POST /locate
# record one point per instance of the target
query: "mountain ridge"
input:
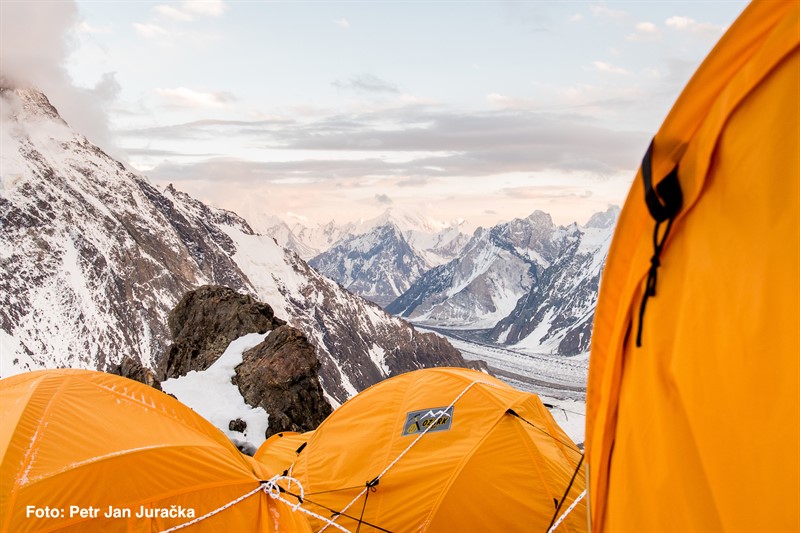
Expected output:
(94, 257)
(527, 282)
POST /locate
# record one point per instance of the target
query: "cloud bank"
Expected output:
(36, 38)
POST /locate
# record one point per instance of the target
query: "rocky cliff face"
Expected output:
(280, 375)
(206, 321)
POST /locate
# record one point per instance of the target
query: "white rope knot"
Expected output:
(274, 490)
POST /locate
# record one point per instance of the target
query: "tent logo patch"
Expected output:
(419, 421)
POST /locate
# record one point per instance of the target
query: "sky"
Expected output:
(313, 111)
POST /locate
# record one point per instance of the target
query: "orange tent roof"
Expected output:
(698, 427)
(495, 461)
(75, 443)
(279, 452)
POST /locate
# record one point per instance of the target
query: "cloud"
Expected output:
(532, 16)
(149, 31)
(342, 23)
(183, 97)
(647, 27)
(418, 145)
(606, 67)
(368, 83)
(413, 182)
(689, 25)
(85, 27)
(509, 102)
(539, 192)
(383, 199)
(645, 31)
(36, 39)
(172, 13)
(680, 23)
(602, 11)
(577, 17)
(212, 8)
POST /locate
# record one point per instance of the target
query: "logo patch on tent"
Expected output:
(419, 421)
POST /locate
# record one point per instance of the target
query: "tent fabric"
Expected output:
(279, 452)
(481, 469)
(697, 429)
(83, 439)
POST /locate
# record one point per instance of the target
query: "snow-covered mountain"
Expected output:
(308, 241)
(93, 258)
(379, 258)
(379, 265)
(528, 282)
(435, 242)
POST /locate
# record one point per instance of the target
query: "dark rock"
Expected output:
(280, 375)
(237, 425)
(205, 322)
(479, 365)
(244, 447)
(133, 369)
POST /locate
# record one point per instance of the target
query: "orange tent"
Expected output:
(693, 397)
(441, 449)
(77, 445)
(279, 452)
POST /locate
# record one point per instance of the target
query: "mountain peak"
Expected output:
(540, 218)
(604, 219)
(26, 103)
(406, 221)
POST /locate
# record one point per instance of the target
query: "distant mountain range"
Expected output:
(377, 259)
(527, 283)
(93, 257)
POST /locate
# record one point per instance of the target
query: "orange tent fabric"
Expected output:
(697, 429)
(279, 452)
(76, 442)
(496, 461)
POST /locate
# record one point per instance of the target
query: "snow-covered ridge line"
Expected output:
(528, 282)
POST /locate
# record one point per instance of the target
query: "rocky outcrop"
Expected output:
(205, 322)
(280, 375)
(132, 369)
